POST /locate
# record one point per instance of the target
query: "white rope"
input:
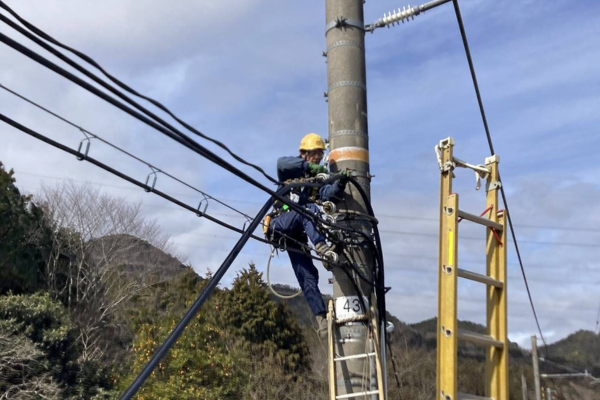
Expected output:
(281, 296)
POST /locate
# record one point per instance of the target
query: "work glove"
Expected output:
(344, 176)
(315, 169)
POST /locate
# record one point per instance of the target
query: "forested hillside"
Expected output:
(89, 289)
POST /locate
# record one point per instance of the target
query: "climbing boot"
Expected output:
(322, 329)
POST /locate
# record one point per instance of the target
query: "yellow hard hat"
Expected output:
(312, 141)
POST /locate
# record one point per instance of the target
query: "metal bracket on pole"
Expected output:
(343, 22)
(346, 83)
(348, 132)
(342, 43)
(494, 185)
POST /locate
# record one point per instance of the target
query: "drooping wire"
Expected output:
(90, 61)
(149, 189)
(491, 146)
(565, 367)
(171, 132)
(162, 350)
(151, 166)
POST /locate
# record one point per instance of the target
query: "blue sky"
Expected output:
(250, 73)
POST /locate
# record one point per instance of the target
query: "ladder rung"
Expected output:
(480, 278)
(355, 356)
(480, 220)
(466, 396)
(351, 395)
(479, 338)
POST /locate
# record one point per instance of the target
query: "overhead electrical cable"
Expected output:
(171, 132)
(89, 60)
(151, 166)
(149, 189)
(491, 146)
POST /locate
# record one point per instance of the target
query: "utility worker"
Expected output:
(290, 223)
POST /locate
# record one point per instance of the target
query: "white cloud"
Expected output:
(250, 74)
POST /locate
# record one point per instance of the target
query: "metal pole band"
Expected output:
(343, 22)
(349, 133)
(344, 43)
(347, 83)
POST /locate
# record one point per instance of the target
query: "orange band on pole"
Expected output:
(349, 153)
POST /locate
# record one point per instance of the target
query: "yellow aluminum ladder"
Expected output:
(377, 389)
(495, 339)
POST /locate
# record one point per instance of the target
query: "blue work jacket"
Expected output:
(294, 167)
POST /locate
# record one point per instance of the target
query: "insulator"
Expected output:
(329, 207)
(401, 15)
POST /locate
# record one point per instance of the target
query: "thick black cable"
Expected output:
(380, 278)
(148, 164)
(189, 315)
(173, 134)
(89, 60)
(150, 189)
(179, 328)
(491, 146)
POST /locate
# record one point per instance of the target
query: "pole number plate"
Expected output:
(349, 307)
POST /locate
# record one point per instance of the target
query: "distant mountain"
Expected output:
(579, 350)
(136, 256)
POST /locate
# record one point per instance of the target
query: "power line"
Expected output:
(388, 231)
(393, 216)
(89, 60)
(556, 228)
(154, 121)
(491, 146)
(94, 136)
(147, 188)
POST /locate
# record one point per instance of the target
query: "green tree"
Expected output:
(267, 327)
(200, 365)
(24, 238)
(48, 353)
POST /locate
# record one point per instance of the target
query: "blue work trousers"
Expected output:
(298, 227)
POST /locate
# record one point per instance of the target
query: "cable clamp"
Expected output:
(343, 22)
(87, 146)
(153, 173)
(493, 185)
(204, 202)
(444, 144)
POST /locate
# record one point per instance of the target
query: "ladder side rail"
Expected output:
(448, 332)
(377, 346)
(493, 354)
(503, 312)
(331, 350)
(446, 158)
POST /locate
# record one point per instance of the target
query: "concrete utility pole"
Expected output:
(536, 368)
(348, 138)
(524, 387)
